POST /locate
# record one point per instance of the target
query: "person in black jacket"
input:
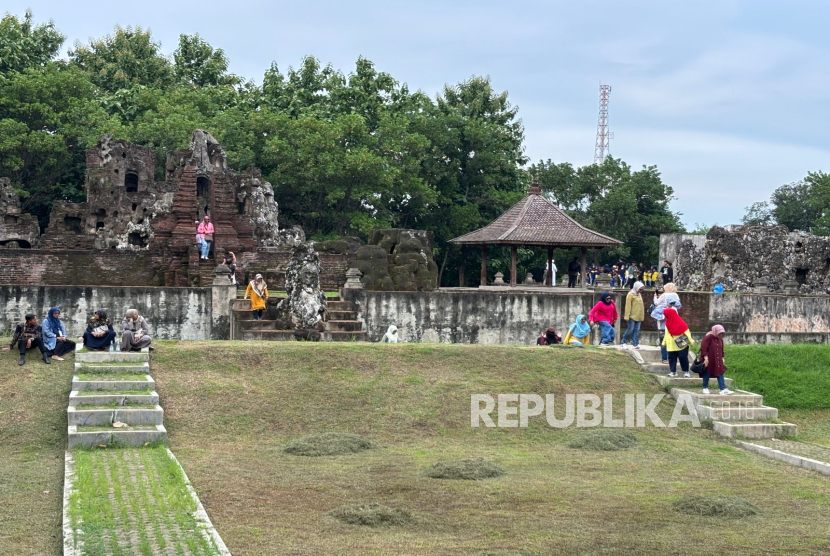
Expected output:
(667, 272)
(29, 335)
(574, 268)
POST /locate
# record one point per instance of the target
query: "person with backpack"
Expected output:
(677, 340)
(711, 352)
(605, 314)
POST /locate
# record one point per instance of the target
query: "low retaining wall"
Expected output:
(173, 313)
(488, 317)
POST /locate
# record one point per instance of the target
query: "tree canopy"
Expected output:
(800, 206)
(345, 152)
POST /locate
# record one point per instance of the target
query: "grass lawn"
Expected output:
(230, 407)
(794, 378)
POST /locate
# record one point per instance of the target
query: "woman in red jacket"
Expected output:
(711, 350)
(605, 314)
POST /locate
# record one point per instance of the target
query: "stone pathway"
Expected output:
(128, 495)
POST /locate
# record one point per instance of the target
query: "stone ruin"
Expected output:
(305, 305)
(16, 230)
(752, 258)
(398, 260)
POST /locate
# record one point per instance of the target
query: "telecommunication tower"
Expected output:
(603, 144)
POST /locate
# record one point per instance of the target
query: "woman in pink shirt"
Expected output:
(204, 233)
(605, 314)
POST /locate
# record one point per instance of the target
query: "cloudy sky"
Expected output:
(728, 98)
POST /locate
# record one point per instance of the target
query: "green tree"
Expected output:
(758, 214)
(196, 62)
(24, 45)
(793, 207)
(819, 184)
(126, 58)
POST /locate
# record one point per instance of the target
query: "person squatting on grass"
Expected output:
(677, 340)
(26, 336)
(99, 333)
(258, 291)
(391, 335)
(666, 296)
(136, 332)
(549, 337)
(54, 335)
(579, 332)
(605, 314)
(711, 351)
(634, 314)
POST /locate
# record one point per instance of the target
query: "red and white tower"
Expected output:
(603, 145)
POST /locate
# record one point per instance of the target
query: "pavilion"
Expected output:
(534, 222)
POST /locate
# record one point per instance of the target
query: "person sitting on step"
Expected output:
(27, 335)
(579, 332)
(99, 334)
(136, 332)
(54, 335)
(204, 236)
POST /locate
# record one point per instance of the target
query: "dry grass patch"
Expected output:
(328, 444)
(465, 469)
(371, 515)
(604, 440)
(725, 507)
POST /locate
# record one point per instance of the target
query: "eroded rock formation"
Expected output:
(16, 230)
(398, 260)
(306, 301)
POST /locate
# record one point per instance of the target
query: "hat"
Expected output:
(258, 276)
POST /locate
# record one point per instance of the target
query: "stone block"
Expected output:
(116, 437)
(100, 417)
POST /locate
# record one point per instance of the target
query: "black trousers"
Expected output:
(21, 344)
(572, 280)
(666, 279)
(682, 356)
(62, 347)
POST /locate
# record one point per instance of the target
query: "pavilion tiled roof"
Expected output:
(536, 221)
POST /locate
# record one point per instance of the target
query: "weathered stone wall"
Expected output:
(272, 263)
(173, 313)
(76, 268)
(749, 258)
(518, 318)
(16, 230)
(398, 260)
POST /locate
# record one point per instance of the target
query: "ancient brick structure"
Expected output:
(134, 230)
(398, 260)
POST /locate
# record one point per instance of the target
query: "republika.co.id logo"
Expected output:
(585, 410)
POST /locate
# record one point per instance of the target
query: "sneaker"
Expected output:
(623, 344)
(726, 391)
(672, 375)
(687, 375)
(665, 362)
(636, 347)
(705, 391)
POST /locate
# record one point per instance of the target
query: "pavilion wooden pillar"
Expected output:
(584, 267)
(483, 265)
(550, 268)
(513, 265)
(462, 278)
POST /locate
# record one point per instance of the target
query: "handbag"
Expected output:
(208, 237)
(681, 341)
(698, 367)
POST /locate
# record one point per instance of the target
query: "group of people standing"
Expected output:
(621, 274)
(51, 339)
(676, 339)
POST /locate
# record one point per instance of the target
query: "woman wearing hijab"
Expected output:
(258, 291)
(54, 335)
(711, 351)
(99, 333)
(666, 296)
(605, 314)
(391, 335)
(634, 314)
(579, 333)
(136, 332)
(677, 340)
(549, 337)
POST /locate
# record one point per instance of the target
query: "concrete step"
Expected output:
(243, 314)
(111, 356)
(342, 315)
(657, 369)
(110, 436)
(649, 354)
(695, 381)
(251, 324)
(736, 412)
(104, 383)
(113, 368)
(339, 306)
(102, 398)
(106, 416)
(330, 298)
(716, 399)
(344, 326)
(288, 336)
(755, 430)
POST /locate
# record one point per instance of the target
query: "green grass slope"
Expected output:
(231, 407)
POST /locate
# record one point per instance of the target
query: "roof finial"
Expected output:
(534, 187)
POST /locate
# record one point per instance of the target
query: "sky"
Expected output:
(727, 98)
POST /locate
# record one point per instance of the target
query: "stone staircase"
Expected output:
(342, 324)
(739, 415)
(109, 388)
